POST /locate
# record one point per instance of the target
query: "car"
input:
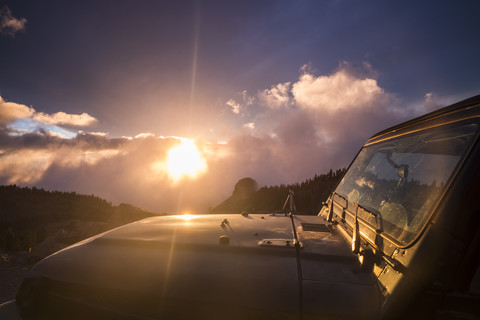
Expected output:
(398, 238)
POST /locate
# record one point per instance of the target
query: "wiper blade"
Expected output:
(356, 233)
(369, 211)
(356, 228)
(375, 213)
(356, 237)
(330, 209)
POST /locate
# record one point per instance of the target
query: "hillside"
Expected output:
(308, 195)
(42, 222)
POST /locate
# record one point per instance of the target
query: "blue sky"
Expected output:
(252, 82)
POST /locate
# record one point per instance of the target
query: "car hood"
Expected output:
(202, 266)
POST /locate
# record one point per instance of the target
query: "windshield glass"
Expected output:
(399, 180)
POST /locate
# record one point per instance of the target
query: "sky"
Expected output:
(167, 104)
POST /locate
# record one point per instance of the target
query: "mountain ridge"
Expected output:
(308, 195)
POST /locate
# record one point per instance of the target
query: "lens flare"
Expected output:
(187, 216)
(184, 160)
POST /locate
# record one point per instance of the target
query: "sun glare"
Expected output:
(185, 160)
(187, 216)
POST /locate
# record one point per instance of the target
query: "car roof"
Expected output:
(466, 109)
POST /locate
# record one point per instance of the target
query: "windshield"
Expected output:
(399, 180)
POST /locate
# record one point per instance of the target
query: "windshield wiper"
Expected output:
(330, 209)
(356, 233)
(379, 223)
(356, 227)
(375, 213)
(356, 240)
(370, 256)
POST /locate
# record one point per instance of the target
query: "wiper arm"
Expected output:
(369, 211)
(356, 233)
(356, 238)
(376, 214)
(356, 227)
(379, 225)
(330, 209)
(369, 256)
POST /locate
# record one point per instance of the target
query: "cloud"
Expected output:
(277, 96)
(314, 124)
(432, 102)
(130, 170)
(62, 118)
(307, 126)
(250, 125)
(24, 165)
(25, 159)
(100, 134)
(236, 107)
(345, 108)
(144, 135)
(11, 111)
(51, 148)
(9, 25)
(20, 119)
(240, 107)
(339, 91)
(33, 152)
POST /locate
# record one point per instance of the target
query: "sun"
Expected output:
(185, 160)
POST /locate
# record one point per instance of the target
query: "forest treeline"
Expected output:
(308, 195)
(29, 216)
(42, 222)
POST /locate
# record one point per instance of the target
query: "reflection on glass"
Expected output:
(399, 180)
